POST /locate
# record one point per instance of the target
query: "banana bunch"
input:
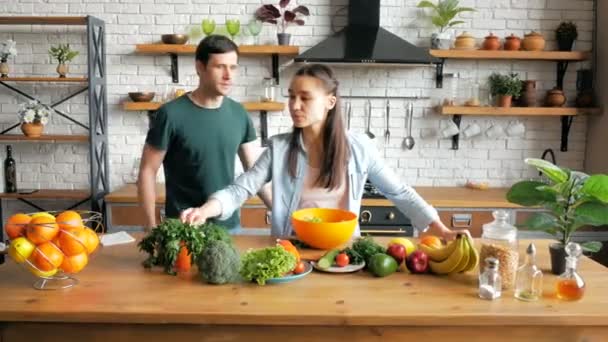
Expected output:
(458, 256)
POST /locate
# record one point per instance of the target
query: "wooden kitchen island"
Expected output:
(118, 300)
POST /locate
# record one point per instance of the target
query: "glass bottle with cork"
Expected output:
(529, 279)
(499, 240)
(570, 285)
(10, 171)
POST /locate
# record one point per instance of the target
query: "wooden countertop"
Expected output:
(440, 197)
(115, 288)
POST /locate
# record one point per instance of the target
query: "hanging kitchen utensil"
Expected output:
(387, 132)
(408, 141)
(368, 112)
(348, 114)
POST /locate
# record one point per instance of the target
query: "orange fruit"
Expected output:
(47, 257)
(41, 229)
(431, 241)
(71, 241)
(74, 263)
(69, 219)
(42, 274)
(16, 225)
(92, 240)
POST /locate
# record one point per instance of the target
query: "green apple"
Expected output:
(21, 249)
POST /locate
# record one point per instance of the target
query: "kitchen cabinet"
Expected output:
(255, 217)
(466, 218)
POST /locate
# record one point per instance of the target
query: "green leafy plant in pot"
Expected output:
(506, 87)
(63, 54)
(282, 17)
(443, 16)
(572, 199)
(565, 34)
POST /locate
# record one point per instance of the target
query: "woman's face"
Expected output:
(309, 102)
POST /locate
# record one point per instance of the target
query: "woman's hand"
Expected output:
(438, 228)
(193, 216)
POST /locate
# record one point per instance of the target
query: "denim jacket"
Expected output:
(364, 163)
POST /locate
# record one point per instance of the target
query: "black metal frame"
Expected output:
(98, 120)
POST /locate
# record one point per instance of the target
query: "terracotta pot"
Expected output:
(491, 42)
(4, 69)
(533, 41)
(555, 98)
(505, 101)
(512, 43)
(32, 130)
(528, 94)
(464, 41)
(62, 70)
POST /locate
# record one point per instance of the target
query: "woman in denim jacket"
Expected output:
(319, 164)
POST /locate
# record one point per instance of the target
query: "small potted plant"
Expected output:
(565, 34)
(571, 199)
(63, 54)
(33, 116)
(443, 18)
(282, 17)
(7, 49)
(505, 86)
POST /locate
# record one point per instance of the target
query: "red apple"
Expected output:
(397, 251)
(417, 262)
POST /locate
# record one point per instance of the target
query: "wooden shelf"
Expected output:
(249, 106)
(516, 55)
(517, 111)
(43, 20)
(45, 79)
(50, 194)
(244, 50)
(46, 138)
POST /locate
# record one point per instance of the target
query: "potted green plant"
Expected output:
(33, 116)
(443, 16)
(63, 54)
(282, 17)
(572, 199)
(7, 49)
(565, 34)
(506, 87)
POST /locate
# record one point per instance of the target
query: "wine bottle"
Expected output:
(10, 171)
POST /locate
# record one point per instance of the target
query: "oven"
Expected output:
(377, 220)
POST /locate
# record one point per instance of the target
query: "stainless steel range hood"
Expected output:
(364, 41)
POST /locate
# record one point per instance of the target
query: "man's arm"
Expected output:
(151, 159)
(247, 157)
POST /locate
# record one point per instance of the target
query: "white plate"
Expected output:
(335, 269)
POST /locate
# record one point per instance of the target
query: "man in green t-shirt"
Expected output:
(197, 136)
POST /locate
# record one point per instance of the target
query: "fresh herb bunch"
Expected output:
(366, 247)
(353, 256)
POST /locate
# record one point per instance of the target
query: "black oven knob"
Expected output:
(390, 215)
(366, 216)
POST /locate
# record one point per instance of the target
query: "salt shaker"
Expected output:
(489, 281)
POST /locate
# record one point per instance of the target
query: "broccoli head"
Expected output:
(219, 262)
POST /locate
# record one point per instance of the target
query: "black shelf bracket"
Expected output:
(275, 67)
(562, 67)
(439, 73)
(566, 124)
(264, 127)
(174, 68)
(456, 137)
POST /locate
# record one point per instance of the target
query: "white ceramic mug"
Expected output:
(472, 130)
(450, 129)
(495, 131)
(516, 129)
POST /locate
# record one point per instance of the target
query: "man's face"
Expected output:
(217, 77)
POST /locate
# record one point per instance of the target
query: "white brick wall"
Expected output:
(431, 162)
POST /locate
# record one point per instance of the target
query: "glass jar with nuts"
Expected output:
(499, 240)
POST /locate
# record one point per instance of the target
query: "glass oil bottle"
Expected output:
(570, 285)
(529, 278)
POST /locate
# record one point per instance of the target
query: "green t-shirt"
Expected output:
(201, 145)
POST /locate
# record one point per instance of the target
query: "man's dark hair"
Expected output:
(214, 44)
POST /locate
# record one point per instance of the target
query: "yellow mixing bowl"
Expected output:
(324, 228)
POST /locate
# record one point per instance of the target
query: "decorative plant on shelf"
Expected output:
(63, 54)
(565, 34)
(33, 116)
(572, 199)
(443, 18)
(282, 17)
(505, 86)
(7, 49)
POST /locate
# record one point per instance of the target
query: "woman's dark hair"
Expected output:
(214, 44)
(335, 144)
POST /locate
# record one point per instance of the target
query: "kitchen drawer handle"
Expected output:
(267, 217)
(373, 231)
(462, 220)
